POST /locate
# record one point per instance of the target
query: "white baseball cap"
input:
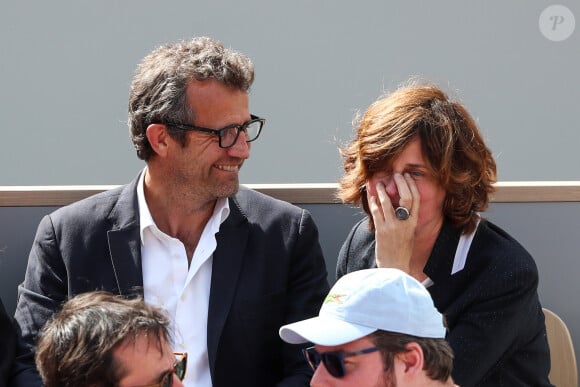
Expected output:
(365, 301)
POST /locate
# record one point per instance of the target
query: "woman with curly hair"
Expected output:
(421, 171)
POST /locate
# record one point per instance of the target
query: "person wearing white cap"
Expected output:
(376, 328)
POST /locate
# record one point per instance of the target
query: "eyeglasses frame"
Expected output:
(340, 355)
(220, 132)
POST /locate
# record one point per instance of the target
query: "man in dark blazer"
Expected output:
(230, 265)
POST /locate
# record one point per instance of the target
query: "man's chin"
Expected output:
(227, 190)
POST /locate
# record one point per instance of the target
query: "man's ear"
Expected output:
(412, 361)
(158, 138)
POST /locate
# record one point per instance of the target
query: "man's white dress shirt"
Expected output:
(182, 292)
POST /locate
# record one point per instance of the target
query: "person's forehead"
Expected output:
(142, 342)
(211, 100)
(142, 359)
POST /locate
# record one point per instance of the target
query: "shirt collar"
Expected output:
(220, 212)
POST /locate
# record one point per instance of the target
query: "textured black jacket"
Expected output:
(491, 307)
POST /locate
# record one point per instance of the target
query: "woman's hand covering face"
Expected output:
(394, 238)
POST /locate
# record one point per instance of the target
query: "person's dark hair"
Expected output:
(451, 143)
(75, 347)
(438, 355)
(158, 91)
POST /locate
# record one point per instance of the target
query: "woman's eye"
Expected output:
(416, 174)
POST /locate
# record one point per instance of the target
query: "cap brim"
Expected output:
(323, 331)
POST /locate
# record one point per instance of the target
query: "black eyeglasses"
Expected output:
(333, 361)
(229, 134)
(179, 368)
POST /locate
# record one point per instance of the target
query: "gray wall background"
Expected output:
(66, 67)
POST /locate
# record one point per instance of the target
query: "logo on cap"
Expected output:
(334, 298)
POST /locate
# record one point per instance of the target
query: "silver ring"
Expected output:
(402, 213)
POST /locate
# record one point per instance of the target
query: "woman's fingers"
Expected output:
(384, 201)
(405, 194)
(382, 206)
(376, 210)
(413, 191)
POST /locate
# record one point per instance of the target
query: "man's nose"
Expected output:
(321, 377)
(241, 148)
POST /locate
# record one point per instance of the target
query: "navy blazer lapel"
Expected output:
(227, 263)
(125, 241)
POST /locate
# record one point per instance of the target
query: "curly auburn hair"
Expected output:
(451, 143)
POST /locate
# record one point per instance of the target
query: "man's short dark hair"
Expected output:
(76, 345)
(159, 88)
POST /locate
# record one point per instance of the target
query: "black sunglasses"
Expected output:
(333, 361)
(229, 134)
(179, 368)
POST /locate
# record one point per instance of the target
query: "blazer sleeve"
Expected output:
(307, 288)
(357, 251)
(40, 295)
(344, 254)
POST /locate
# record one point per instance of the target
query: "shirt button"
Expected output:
(183, 297)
